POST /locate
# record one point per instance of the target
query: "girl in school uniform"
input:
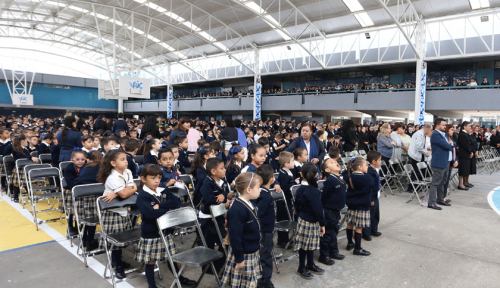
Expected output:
(86, 206)
(333, 200)
(301, 157)
(311, 221)
(198, 169)
(236, 156)
(243, 267)
(44, 146)
(151, 149)
(358, 199)
(153, 202)
(257, 156)
(118, 182)
(374, 159)
(20, 151)
(71, 173)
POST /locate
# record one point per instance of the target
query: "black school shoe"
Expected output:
(376, 234)
(185, 282)
(337, 256)
(469, 185)
(326, 260)
(367, 238)
(304, 273)
(350, 246)
(361, 252)
(315, 270)
(120, 273)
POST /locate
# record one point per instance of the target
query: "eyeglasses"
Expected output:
(79, 159)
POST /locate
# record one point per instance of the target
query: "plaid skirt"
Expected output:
(307, 237)
(358, 218)
(86, 207)
(113, 223)
(68, 199)
(17, 180)
(246, 277)
(153, 249)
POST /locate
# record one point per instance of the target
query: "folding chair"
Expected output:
(20, 164)
(199, 256)
(283, 226)
(385, 177)
(183, 194)
(321, 185)
(62, 166)
(343, 213)
(34, 154)
(396, 176)
(139, 159)
(83, 193)
(44, 192)
(362, 153)
(354, 153)
(67, 211)
(276, 175)
(188, 180)
(418, 185)
(370, 147)
(187, 170)
(121, 238)
(45, 158)
(3, 173)
(423, 170)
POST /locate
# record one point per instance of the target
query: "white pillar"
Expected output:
(120, 105)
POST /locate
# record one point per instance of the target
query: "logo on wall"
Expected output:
(23, 99)
(423, 80)
(136, 87)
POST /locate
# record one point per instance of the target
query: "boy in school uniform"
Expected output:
(265, 211)
(131, 147)
(374, 159)
(278, 146)
(182, 143)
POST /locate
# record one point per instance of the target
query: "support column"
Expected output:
(257, 96)
(421, 76)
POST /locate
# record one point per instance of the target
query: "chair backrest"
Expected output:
(354, 153)
(294, 189)
(33, 166)
(139, 159)
(421, 165)
(362, 152)
(218, 210)
(117, 203)
(45, 158)
(63, 165)
(23, 162)
(279, 197)
(176, 217)
(179, 192)
(276, 175)
(321, 185)
(408, 168)
(35, 172)
(8, 163)
(34, 154)
(137, 182)
(88, 190)
(187, 179)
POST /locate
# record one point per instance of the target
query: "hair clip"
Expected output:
(148, 140)
(353, 159)
(44, 136)
(202, 150)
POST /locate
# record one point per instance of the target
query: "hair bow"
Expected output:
(44, 136)
(148, 140)
(77, 148)
(353, 159)
(233, 151)
(234, 143)
(202, 150)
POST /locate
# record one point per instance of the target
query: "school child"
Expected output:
(151, 148)
(286, 138)
(182, 143)
(374, 159)
(265, 209)
(329, 141)
(286, 180)
(70, 173)
(118, 182)
(243, 267)
(44, 146)
(107, 144)
(153, 202)
(86, 206)
(236, 162)
(210, 136)
(301, 157)
(55, 151)
(19, 151)
(169, 175)
(88, 143)
(334, 153)
(214, 191)
(358, 198)
(256, 158)
(278, 146)
(131, 146)
(258, 134)
(264, 142)
(250, 139)
(4, 142)
(177, 164)
(97, 143)
(311, 221)
(215, 145)
(198, 169)
(332, 200)
(32, 143)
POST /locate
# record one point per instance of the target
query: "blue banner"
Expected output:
(423, 80)
(170, 98)
(257, 99)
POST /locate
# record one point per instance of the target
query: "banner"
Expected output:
(131, 87)
(22, 99)
(257, 99)
(170, 98)
(423, 81)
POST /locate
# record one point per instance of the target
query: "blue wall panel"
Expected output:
(78, 97)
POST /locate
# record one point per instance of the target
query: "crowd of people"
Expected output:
(347, 88)
(242, 157)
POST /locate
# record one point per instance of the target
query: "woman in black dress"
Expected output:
(351, 142)
(364, 139)
(465, 154)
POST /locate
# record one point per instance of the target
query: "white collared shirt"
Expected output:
(238, 164)
(6, 141)
(115, 183)
(156, 193)
(288, 172)
(297, 164)
(304, 183)
(247, 202)
(48, 145)
(154, 153)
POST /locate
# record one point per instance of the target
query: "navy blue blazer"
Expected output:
(120, 124)
(440, 150)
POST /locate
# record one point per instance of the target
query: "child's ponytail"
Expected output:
(309, 172)
(353, 165)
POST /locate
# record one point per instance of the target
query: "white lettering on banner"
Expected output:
(170, 97)
(132, 87)
(423, 81)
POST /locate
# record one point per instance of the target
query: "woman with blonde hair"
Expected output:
(385, 144)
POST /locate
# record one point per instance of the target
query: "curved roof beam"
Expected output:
(274, 23)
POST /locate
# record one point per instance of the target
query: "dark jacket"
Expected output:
(171, 140)
(168, 174)
(118, 125)
(440, 150)
(286, 182)
(43, 148)
(88, 175)
(376, 183)
(350, 141)
(358, 198)
(150, 159)
(73, 139)
(184, 158)
(334, 193)
(70, 174)
(209, 192)
(233, 171)
(296, 144)
(265, 205)
(145, 203)
(243, 227)
(464, 146)
(308, 205)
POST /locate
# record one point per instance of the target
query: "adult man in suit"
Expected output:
(120, 124)
(441, 157)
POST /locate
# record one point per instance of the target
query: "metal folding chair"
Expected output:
(188, 181)
(20, 164)
(188, 228)
(8, 167)
(34, 154)
(199, 256)
(283, 226)
(321, 185)
(62, 166)
(396, 177)
(42, 193)
(3, 173)
(82, 193)
(139, 159)
(121, 238)
(424, 172)
(417, 185)
(362, 153)
(45, 158)
(385, 177)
